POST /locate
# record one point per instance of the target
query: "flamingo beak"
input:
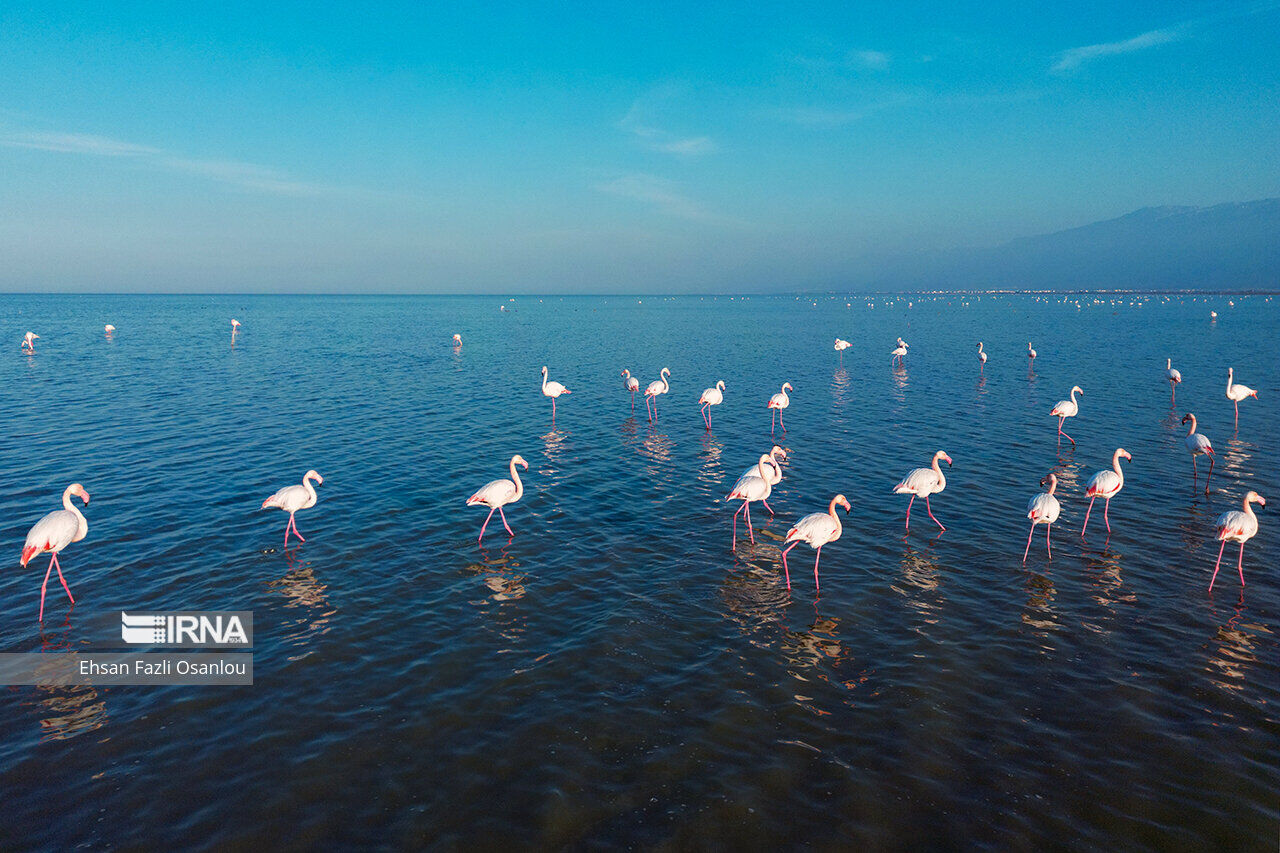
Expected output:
(84, 496)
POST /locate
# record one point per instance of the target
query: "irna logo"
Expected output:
(188, 628)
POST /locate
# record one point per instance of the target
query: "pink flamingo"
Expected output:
(29, 342)
(1237, 526)
(1174, 378)
(922, 482)
(711, 397)
(293, 498)
(1198, 444)
(815, 530)
(1043, 509)
(655, 390)
(840, 347)
(982, 358)
(1067, 409)
(235, 326)
(498, 493)
(1237, 392)
(1031, 354)
(1105, 484)
(748, 489)
(778, 402)
(552, 390)
(631, 384)
(109, 329)
(897, 353)
(56, 531)
(772, 472)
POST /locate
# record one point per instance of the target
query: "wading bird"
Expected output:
(457, 340)
(293, 498)
(1043, 509)
(922, 482)
(815, 530)
(29, 342)
(552, 390)
(630, 383)
(59, 529)
(748, 489)
(109, 329)
(1105, 484)
(1198, 444)
(772, 472)
(1067, 409)
(1030, 352)
(656, 389)
(1237, 392)
(711, 397)
(235, 326)
(778, 402)
(1174, 378)
(982, 357)
(498, 493)
(897, 353)
(1237, 526)
(840, 347)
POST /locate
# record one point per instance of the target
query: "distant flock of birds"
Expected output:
(60, 528)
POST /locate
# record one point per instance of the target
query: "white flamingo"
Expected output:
(1030, 352)
(778, 402)
(631, 384)
(922, 482)
(1237, 392)
(552, 390)
(29, 341)
(1237, 526)
(54, 532)
(897, 353)
(235, 326)
(1043, 509)
(498, 493)
(815, 530)
(1174, 378)
(1067, 409)
(982, 357)
(1198, 444)
(457, 340)
(109, 329)
(711, 397)
(1105, 484)
(655, 390)
(748, 489)
(772, 472)
(293, 498)
(840, 347)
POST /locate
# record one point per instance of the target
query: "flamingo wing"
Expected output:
(54, 532)
(917, 482)
(494, 493)
(815, 529)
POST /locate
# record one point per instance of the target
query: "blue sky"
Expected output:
(601, 147)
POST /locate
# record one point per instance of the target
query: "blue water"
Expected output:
(615, 674)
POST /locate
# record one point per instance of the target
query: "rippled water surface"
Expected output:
(615, 674)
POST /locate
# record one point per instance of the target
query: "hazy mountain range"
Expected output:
(1227, 246)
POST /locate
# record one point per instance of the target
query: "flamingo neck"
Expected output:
(666, 386)
(1230, 375)
(82, 525)
(936, 468)
(544, 380)
(1192, 431)
(1053, 483)
(1115, 463)
(720, 385)
(831, 510)
(515, 478)
(306, 484)
(1168, 364)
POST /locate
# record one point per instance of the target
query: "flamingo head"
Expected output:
(1188, 417)
(1124, 453)
(979, 344)
(1078, 390)
(235, 324)
(778, 451)
(720, 384)
(840, 500)
(519, 460)
(1050, 480)
(786, 386)
(625, 372)
(666, 371)
(78, 490)
(1255, 498)
(943, 455)
(313, 474)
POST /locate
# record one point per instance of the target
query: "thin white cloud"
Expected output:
(1070, 60)
(657, 139)
(876, 60)
(248, 176)
(663, 195)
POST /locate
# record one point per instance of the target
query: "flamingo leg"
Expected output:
(1106, 505)
(773, 421)
(633, 401)
(747, 506)
(553, 409)
(734, 546)
(1047, 530)
(1086, 515)
(296, 531)
(1027, 550)
(503, 516)
(1239, 565)
(1174, 388)
(786, 570)
(1217, 565)
(58, 566)
(815, 568)
(1195, 471)
(1209, 477)
(1236, 403)
(909, 503)
(486, 524)
(1061, 420)
(43, 587)
(781, 422)
(766, 506)
(929, 510)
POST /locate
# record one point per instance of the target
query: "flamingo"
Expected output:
(711, 397)
(1043, 509)
(499, 493)
(1237, 526)
(1174, 378)
(631, 384)
(29, 341)
(109, 329)
(748, 489)
(922, 482)
(1067, 409)
(778, 402)
(1235, 393)
(655, 389)
(457, 340)
(897, 353)
(815, 530)
(1030, 352)
(235, 326)
(552, 390)
(59, 529)
(1105, 484)
(293, 498)
(772, 472)
(840, 347)
(1198, 444)
(982, 358)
